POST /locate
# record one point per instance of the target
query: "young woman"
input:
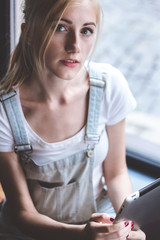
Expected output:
(62, 126)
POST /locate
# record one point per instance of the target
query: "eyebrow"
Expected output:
(85, 24)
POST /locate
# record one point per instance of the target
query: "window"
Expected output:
(15, 21)
(130, 40)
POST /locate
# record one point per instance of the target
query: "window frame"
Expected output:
(4, 36)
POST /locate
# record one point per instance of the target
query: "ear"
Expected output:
(23, 27)
(25, 33)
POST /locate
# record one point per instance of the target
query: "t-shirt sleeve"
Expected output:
(119, 99)
(6, 137)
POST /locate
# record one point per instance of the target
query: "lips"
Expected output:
(70, 62)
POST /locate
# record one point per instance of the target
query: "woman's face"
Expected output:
(72, 41)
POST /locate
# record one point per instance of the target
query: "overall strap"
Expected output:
(14, 115)
(95, 98)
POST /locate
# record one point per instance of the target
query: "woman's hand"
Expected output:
(137, 235)
(101, 227)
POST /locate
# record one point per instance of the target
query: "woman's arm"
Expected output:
(116, 172)
(115, 169)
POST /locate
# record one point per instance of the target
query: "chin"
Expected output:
(68, 78)
(69, 75)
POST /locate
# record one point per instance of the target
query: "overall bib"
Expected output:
(63, 189)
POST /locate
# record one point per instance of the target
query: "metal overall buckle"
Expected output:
(90, 151)
(25, 153)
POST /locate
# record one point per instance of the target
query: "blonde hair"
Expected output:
(29, 54)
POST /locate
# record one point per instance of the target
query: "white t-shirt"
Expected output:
(116, 104)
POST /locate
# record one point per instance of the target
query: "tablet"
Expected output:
(142, 207)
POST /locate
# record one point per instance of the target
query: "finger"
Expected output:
(124, 227)
(119, 226)
(101, 217)
(120, 234)
(113, 232)
(136, 235)
(94, 230)
(99, 228)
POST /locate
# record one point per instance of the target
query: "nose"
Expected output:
(72, 43)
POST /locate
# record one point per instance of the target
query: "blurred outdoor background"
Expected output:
(130, 40)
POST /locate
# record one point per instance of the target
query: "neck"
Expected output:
(51, 88)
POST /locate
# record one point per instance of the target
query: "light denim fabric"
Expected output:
(104, 204)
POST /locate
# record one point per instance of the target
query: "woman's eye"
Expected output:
(87, 31)
(60, 28)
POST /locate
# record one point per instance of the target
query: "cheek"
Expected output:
(51, 52)
(89, 46)
(56, 47)
(48, 55)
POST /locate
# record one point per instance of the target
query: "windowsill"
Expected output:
(139, 179)
(143, 138)
(143, 163)
(143, 155)
(143, 148)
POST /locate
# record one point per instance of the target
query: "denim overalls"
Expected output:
(62, 190)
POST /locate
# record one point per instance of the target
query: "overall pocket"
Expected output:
(59, 203)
